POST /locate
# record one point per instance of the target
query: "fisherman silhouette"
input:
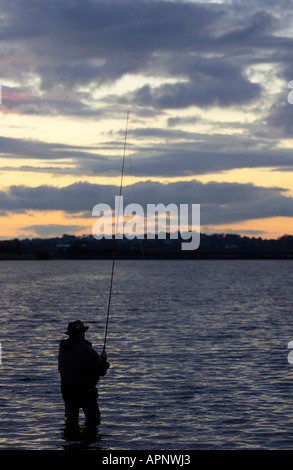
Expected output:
(80, 368)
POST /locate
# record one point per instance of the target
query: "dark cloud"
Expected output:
(33, 149)
(279, 120)
(208, 82)
(23, 101)
(187, 120)
(80, 42)
(173, 153)
(73, 199)
(52, 230)
(220, 202)
(255, 30)
(203, 92)
(70, 44)
(91, 27)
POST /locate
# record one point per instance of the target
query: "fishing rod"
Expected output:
(115, 241)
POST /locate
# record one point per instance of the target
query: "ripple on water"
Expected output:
(198, 353)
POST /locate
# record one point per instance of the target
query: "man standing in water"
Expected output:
(80, 368)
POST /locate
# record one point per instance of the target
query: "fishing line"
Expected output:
(151, 301)
(144, 231)
(115, 238)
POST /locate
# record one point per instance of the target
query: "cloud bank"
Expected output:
(220, 202)
(205, 83)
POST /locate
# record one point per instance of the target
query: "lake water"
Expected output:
(198, 353)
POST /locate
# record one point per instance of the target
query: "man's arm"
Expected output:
(106, 365)
(99, 363)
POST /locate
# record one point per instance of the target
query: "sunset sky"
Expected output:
(206, 87)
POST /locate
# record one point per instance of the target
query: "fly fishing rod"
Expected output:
(115, 241)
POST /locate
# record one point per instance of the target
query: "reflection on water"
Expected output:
(81, 439)
(198, 353)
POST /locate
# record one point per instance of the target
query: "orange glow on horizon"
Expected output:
(26, 225)
(271, 228)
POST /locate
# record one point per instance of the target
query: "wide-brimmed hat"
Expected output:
(76, 327)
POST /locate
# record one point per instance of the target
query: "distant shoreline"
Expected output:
(212, 247)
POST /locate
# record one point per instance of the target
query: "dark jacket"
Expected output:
(79, 363)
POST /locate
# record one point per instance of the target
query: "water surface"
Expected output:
(198, 353)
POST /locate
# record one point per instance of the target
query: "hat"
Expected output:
(76, 327)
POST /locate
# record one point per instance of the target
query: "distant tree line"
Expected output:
(217, 246)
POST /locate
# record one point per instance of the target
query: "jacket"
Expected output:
(79, 363)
